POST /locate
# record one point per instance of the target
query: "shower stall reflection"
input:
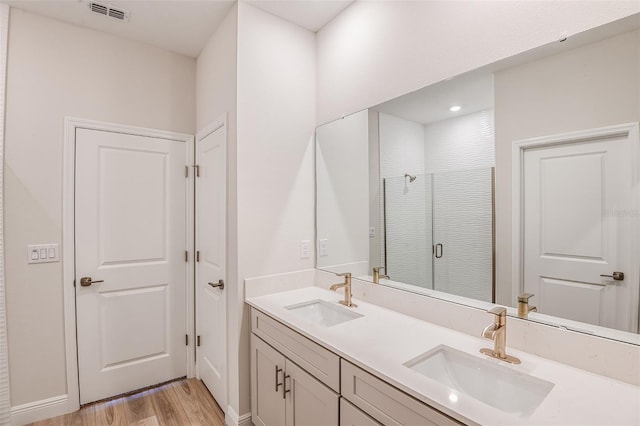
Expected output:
(438, 231)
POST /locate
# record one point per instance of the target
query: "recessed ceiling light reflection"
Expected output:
(455, 108)
(453, 397)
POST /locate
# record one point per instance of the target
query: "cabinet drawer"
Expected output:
(316, 360)
(384, 402)
(350, 415)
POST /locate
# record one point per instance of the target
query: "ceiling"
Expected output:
(472, 92)
(309, 14)
(182, 26)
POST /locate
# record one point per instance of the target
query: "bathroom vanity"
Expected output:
(314, 361)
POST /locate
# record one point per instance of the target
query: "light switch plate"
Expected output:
(43, 253)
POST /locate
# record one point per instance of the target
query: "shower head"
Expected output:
(411, 178)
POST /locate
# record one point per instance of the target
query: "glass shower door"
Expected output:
(407, 217)
(463, 233)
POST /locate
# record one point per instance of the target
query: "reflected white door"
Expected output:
(130, 238)
(580, 217)
(210, 268)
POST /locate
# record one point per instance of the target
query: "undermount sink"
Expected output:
(322, 312)
(496, 385)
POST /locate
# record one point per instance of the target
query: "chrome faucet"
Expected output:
(347, 289)
(498, 333)
(377, 276)
(523, 305)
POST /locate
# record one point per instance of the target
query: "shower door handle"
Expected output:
(438, 253)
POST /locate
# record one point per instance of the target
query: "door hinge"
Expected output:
(198, 341)
(74, 283)
(186, 256)
(186, 340)
(196, 168)
(186, 171)
(198, 256)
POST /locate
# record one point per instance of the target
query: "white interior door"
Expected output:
(211, 304)
(130, 237)
(580, 216)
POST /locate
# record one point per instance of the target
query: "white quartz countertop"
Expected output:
(381, 341)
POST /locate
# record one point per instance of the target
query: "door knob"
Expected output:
(219, 285)
(86, 281)
(618, 276)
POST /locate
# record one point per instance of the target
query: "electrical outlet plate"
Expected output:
(322, 247)
(305, 249)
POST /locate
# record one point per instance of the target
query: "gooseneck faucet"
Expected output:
(498, 333)
(347, 289)
(377, 275)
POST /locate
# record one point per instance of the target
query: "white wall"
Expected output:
(408, 221)
(276, 122)
(57, 70)
(216, 94)
(375, 191)
(342, 185)
(592, 86)
(377, 50)
(401, 146)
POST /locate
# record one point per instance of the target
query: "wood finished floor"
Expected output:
(183, 402)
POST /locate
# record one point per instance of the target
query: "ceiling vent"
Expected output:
(110, 11)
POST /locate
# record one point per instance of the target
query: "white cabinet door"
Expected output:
(284, 394)
(309, 402)
(350, 415)
(130, 233)
(267, 391)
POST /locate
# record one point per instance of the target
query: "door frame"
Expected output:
(219, 122)
(628, 130)
(68, 241)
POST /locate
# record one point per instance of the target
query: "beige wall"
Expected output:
(57, 70)
(592, 86)
(377, 50)
(216, 93)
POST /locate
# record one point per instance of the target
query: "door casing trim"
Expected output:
(68, 241)
(518, 148)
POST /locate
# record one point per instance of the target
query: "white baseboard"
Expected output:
(232, 418)
(39, 410)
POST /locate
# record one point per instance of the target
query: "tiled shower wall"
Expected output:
(462, 201)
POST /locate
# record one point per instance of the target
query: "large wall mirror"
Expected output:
(514, 183)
